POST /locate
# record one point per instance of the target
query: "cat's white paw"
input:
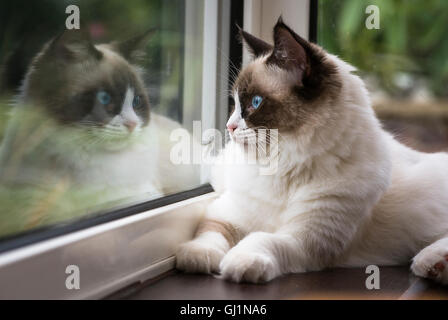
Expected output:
(245, 266)
(198, 257)
(432, 263)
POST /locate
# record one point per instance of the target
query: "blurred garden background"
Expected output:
(404, 62)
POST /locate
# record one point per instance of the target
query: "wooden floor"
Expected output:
(395, 283)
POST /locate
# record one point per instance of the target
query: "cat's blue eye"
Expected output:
(256, 101)
(136, 102)
(103, 97)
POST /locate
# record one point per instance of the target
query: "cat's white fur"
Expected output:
(136, 166)
(143, 167)
(346, 193)
(127, 115)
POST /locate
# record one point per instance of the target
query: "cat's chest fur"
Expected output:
(127, 171)
(260, 198)
(132, 168)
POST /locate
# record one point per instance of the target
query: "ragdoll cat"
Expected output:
(345, 194)
(83, 121)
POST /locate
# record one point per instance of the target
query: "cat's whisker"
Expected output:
(233, 69)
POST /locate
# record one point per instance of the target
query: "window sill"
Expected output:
(346, 284)
(110, 256)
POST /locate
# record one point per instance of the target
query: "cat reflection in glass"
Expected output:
(82, 126)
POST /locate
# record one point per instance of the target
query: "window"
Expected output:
(402, 60)
(70, 147)
(126, 232)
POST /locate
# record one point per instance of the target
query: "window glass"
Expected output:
(400, 48)
(86, 116)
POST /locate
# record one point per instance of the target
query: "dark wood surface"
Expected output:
(395, 283)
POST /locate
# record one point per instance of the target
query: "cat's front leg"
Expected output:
(309, 242)
(204, 253)
(260, 257)
(217, 233)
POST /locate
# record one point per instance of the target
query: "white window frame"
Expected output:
(261, 15)
(120, 253)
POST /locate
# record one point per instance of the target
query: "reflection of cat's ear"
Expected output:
(74, 45)
(290, 50)
(256, 46)
(133, 49)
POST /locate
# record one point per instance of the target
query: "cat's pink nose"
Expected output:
(231, 127)
(130, 125)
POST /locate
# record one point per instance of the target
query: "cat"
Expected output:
(83, 122)
(346, 193)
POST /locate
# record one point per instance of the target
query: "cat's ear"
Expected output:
(133, 49)
(74, 45)
(290, 50)
(256, 46)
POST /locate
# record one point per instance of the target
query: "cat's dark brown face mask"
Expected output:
(284, 85)
(79, 83)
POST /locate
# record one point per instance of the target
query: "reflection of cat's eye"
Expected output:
(256, 101)
(103, 97)
(136, 102)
